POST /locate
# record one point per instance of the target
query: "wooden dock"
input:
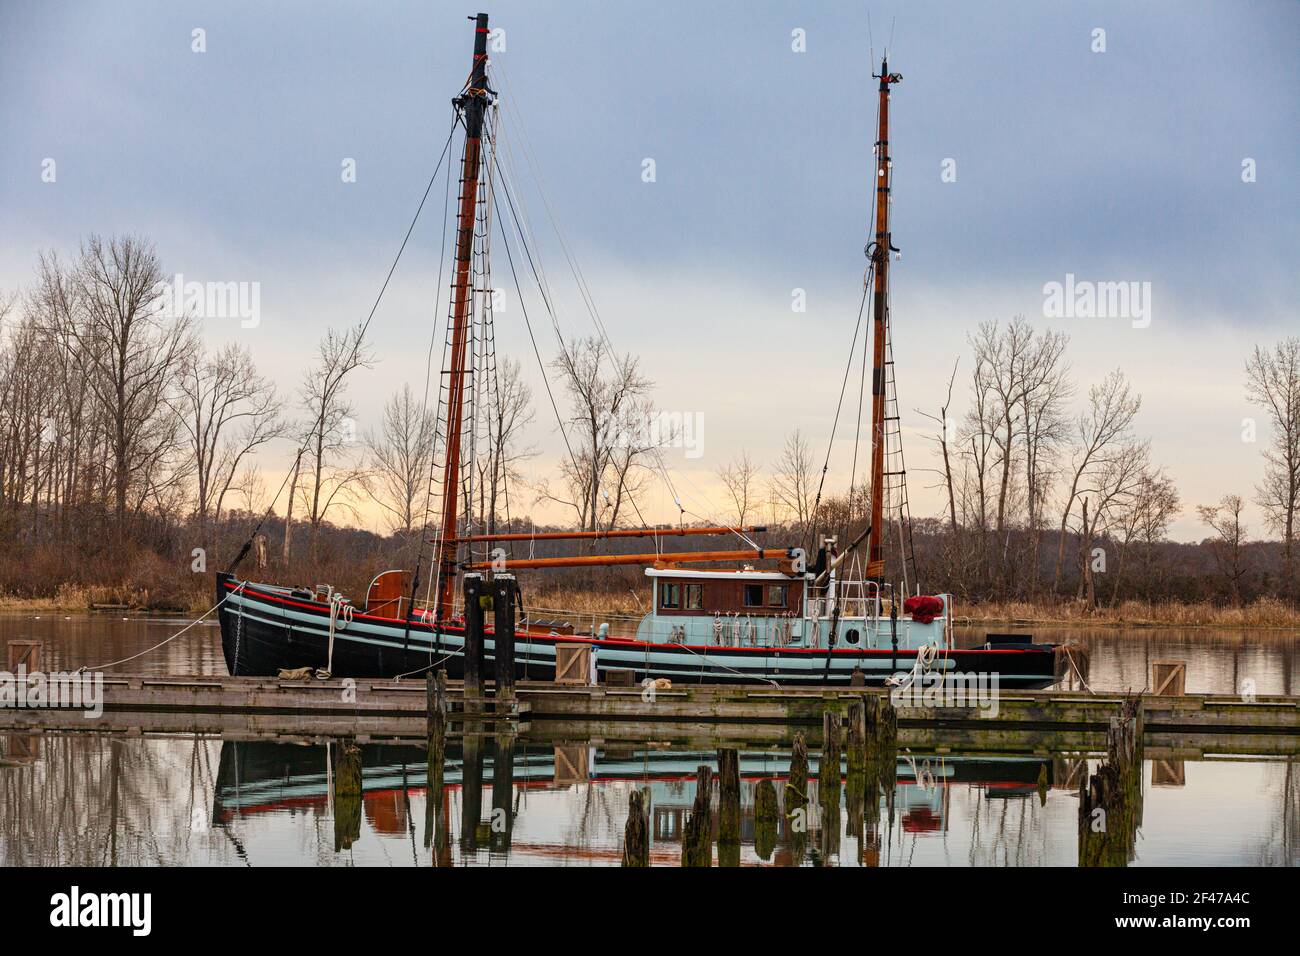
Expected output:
(1024, 721)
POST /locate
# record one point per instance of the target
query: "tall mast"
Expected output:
(472, 103)
(879, 251)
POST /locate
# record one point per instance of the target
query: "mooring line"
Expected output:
(103, 667)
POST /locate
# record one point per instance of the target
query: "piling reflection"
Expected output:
(97, 800)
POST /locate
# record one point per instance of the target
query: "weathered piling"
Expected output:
(636, 834)
(471, 795)
(474, 656)
(1110, 801)
(765, 823)
(436, 703)
(347, 794)
(697, 836)
(855, 781)
(880, 726)
(728, 807)
(435, 805)
(796, 799)
(503, 791)
(828, 785)
(881, 720)
(505, 591)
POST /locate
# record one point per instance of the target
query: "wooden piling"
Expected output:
(795, 799)
(504, 593)
(435, 805)
(436, 703)
(855, 781)
(636, 834)
(1110, 801)
(474, 657)
(697, 836)
(765, 823)
(503, 791)
(471, 791)
(828, 785)
(347, 794)
(728, 807)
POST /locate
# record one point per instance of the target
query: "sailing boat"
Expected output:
(801, 622)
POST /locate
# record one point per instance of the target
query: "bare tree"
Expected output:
(1225, 520)
(1142, 522)
(1016, 423)
(227, 412)
(509, 412)
(1110, 493)
(400, 456)
(1100, 436)
(1273, 383)
(739, 476)
(794, 481)
(609, 412)
(128, 349)
(331, 434)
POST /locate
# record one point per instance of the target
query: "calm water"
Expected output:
(99, 799)
(1218, 662)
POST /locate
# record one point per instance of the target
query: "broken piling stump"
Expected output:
(636, 834)
(697, 836)
(728, 807)
(765, 823)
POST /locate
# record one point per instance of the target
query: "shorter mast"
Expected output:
(879, 250)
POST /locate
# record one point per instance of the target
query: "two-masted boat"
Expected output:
(755, 614)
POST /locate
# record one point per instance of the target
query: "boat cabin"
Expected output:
(747, 607)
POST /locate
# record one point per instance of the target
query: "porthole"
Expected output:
(852, 635)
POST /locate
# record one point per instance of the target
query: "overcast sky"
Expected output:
(1122, 164)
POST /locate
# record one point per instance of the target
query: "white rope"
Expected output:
(337, 608)
(925, 657)
(104, 667)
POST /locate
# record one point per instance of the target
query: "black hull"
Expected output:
(270, 631)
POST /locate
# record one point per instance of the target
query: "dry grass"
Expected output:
(583, 602)
(81, 597)
(1263, 613)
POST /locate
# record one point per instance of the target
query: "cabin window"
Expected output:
(670, 595)
(753, 595)
(694, 597)
(852, 635)
(776, 595)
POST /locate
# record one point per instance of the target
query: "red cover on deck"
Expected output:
(924, 608)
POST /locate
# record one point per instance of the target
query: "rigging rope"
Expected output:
(356, 346)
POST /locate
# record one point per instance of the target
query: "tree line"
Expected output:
(126, 444)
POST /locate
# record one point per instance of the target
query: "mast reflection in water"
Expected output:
(98, 800)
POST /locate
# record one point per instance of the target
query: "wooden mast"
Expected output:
(472, 103)
(879, 251)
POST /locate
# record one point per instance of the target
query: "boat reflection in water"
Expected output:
(499, 798)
